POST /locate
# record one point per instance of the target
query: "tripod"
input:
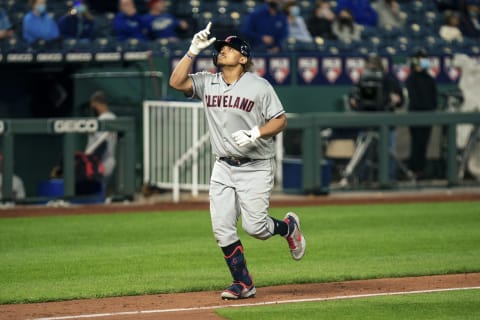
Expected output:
(364, 142)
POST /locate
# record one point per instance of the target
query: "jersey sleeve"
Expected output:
(199, 80)
(272, 106)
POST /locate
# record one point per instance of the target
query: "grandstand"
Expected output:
(421, 29)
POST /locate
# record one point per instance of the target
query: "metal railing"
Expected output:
(69, 128)
(177, 153)
(312, 123)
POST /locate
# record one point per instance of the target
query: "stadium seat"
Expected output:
(104, 25)
(134, 45)
(72, 45)
(16, 45)
(106, 45)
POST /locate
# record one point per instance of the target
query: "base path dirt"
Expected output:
(202, 305)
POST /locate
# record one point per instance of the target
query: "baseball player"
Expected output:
(243, 114)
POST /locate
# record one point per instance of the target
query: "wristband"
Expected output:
(189, 56)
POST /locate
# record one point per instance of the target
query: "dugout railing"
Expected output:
(311, 124)
(176, 145)
(69, 128)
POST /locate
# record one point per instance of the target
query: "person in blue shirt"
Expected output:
(362, 11)
(5, 25)
(77, 23)
(266, 27)
(37, 24)
(160, 24)
(128, 23)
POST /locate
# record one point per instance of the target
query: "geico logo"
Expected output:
(75, 126)
(2, 127)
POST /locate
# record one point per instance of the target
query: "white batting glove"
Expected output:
(200, 40)
(245, 137)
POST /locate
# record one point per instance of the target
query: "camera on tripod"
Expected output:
(370, 91)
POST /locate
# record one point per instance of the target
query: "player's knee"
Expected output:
(256, 229)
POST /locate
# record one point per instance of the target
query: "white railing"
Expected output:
(177, 152)
(176, 146)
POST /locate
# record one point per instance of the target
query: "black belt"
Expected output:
(233, 161)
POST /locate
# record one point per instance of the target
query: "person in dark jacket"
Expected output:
(470, 18)
(128, 22)
(77, 23)
(422, 91)
(320, 23)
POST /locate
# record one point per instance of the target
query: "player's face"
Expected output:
(229, 56)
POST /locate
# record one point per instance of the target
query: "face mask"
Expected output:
(273, 5)
(81, 8)
(425, 63)
(295, 11)
(41, 8)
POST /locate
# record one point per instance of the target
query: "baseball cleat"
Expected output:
(296, 241)
(239, 290)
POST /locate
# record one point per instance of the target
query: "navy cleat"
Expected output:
(296, 240)
(239, 290)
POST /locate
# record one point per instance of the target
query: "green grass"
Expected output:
(436, 306)
(54, 258)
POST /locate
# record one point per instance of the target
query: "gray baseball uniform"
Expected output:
(245, 189)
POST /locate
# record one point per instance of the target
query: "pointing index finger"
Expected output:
(209, 25)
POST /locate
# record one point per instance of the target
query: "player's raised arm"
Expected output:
(179, 78)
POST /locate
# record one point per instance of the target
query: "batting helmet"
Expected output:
(234, 42)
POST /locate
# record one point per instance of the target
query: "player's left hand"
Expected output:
(245, 137)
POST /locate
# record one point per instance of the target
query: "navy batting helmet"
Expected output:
(234, 42)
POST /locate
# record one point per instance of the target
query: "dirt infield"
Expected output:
(277, 201)
(201, 305)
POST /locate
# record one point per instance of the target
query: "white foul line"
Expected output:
(265, 303)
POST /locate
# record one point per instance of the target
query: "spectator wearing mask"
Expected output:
(297, 28)
(389, 14)
(450, 30)
(362, 10)
(37, 24)
(5, 25)
(422, 92)
(320, 22)
(77, 23)
(102, 144)
(128, 23)
(160, 24)
(470, 18)
(17, 184)
(345, 28)
(266, 27)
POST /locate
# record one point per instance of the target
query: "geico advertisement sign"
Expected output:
(87, 125)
